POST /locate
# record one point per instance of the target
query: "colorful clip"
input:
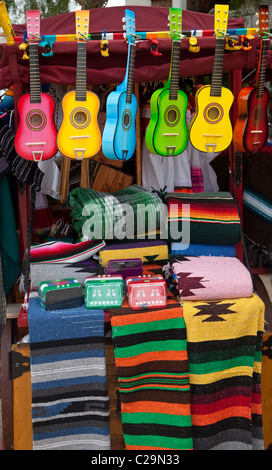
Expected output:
(153, 47)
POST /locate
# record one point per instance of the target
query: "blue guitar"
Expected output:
(119, 135)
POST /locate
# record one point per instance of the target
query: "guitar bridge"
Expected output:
(169, 149)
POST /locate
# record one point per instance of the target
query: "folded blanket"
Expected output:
(64, 252)
(70, 403)
(195, 249)
(152, 367)
(213, 218)
(129, 213)
(210, 277)
(149, 251)
(42, 272)
(224, 341)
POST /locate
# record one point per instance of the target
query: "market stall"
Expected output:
(161, 367)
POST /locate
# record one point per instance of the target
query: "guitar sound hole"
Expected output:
(80, 118)
(213, 114)
(36, 120)
(172, 116)
(127, 120)
(257, 114)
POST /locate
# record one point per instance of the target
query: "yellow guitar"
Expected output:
(211, 128)
(79, 135)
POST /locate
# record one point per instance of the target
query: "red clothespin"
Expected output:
(153, 47)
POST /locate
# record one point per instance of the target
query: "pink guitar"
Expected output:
(36, 136)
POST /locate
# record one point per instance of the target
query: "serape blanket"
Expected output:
(198, 249)
(129, 213)
(70, 403)
(64, 252)
(210, 277)
(47, 272)
(224, 343)
(149, 251)
(213, 218)
(151, 359)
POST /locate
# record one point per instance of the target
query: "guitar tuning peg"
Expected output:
(257, 22)
(123, 19)
(124, 27)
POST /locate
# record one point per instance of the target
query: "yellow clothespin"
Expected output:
(193, 43)
(23, 47)
(104, 44)
(230, 43)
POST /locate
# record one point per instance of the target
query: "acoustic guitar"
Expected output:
(167, 132)
(251, 128)
(119, 135)
(211, 129)
(79, 135)
(35, 138)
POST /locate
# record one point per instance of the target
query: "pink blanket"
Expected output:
(210, 277)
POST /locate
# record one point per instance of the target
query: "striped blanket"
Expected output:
(225, 352)
(70, 403)
(129, 213)
(213, 218)
(152, 367)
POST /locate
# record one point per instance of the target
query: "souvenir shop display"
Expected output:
(144, 315)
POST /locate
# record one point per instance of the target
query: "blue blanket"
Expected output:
(202, 250)
(70, 403)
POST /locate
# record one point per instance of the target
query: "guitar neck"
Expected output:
(35, 84)
(216, 84)
(262, 68)
(174, 73)
(130, 72)
(81, 75)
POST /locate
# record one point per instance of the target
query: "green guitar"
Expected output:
(167, 132)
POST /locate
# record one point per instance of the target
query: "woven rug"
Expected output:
(213, 218)
(70, 403)
(210, 277)
(150, 351)
(151, 251)
(225, 352)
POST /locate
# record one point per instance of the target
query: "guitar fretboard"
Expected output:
(216, 84)
(130, 74)
(174, 78)
(81, 76)
(262, 68)
(35, 84)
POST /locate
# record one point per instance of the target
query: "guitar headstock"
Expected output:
(175, 22)
(82, 19)
(263, 19)
(129, 27)
(33, 18)
(221, 14)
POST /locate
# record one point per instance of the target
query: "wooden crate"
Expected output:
(108, 179)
